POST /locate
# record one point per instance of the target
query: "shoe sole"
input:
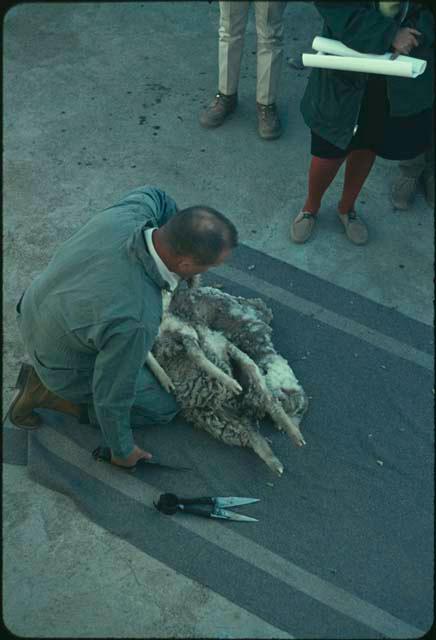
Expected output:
(273, 136)
(23, 376)
(355, 241)
(400, 207)
(299, 241)
(212, 126)
(218, 124)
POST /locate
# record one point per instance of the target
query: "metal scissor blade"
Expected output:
(230, 515)
(234, 502)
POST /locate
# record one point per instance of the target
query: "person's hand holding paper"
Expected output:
(405, 41)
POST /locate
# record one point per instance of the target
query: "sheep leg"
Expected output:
(160, 374)
(249, 367)
(236, 433)
(261, 447)
(272, 405)
(284, 422)
(198, 356)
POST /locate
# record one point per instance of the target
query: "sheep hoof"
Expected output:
(234, 386)
(168, 386)
(275, 465)
(299, 440)
(278, 468)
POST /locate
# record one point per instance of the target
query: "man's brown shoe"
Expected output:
(218, 110)
(303, 226)
(32, 394)
(355, 229)
(269, 126)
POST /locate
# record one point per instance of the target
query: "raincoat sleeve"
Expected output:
(120, 357)
(422, 19)
(360, 26)
(154, 203)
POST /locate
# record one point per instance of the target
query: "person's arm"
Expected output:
(155, 203)
(121, 354)
(423, 21)
(363, 28)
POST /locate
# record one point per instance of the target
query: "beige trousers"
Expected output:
(269, 29)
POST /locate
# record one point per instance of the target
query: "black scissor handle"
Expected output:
(201, 500)
(169, 503)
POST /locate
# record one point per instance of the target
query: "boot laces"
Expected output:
(267, 110)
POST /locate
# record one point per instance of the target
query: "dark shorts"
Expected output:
(391, 138)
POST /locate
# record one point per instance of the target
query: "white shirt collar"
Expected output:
(172, 278)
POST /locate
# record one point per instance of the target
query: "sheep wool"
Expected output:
(214, 351)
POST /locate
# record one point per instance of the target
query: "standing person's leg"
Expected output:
(233, 22)
(357, 168)
(322, 172)
(406, 183)
(428, 177)
(270, 29)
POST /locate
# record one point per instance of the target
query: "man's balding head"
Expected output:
(201, 233)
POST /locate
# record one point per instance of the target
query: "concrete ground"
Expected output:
(100, 98)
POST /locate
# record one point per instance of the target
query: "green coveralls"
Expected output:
(90, 318)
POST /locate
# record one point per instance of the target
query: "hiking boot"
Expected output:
(403, 191)
(218, 110)
(428, 182)
(32, 394)
(302, 226)
(269, 126)
(355, 229)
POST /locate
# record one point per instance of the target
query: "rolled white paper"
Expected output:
(343, 58)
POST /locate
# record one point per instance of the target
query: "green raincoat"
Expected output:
(331, 103)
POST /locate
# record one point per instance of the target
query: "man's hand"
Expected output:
(404, 41)
(132, 459)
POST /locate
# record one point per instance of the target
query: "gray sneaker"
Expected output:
(403, 191)
(428, 182)
(269, 126)
(218, 110)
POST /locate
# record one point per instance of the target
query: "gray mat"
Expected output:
(344, 543)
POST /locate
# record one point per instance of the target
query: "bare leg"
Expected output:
(250, 368)
(272, 406)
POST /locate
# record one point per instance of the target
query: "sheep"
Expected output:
(214, 351)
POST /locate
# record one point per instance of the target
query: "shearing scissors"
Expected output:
(207, 507)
